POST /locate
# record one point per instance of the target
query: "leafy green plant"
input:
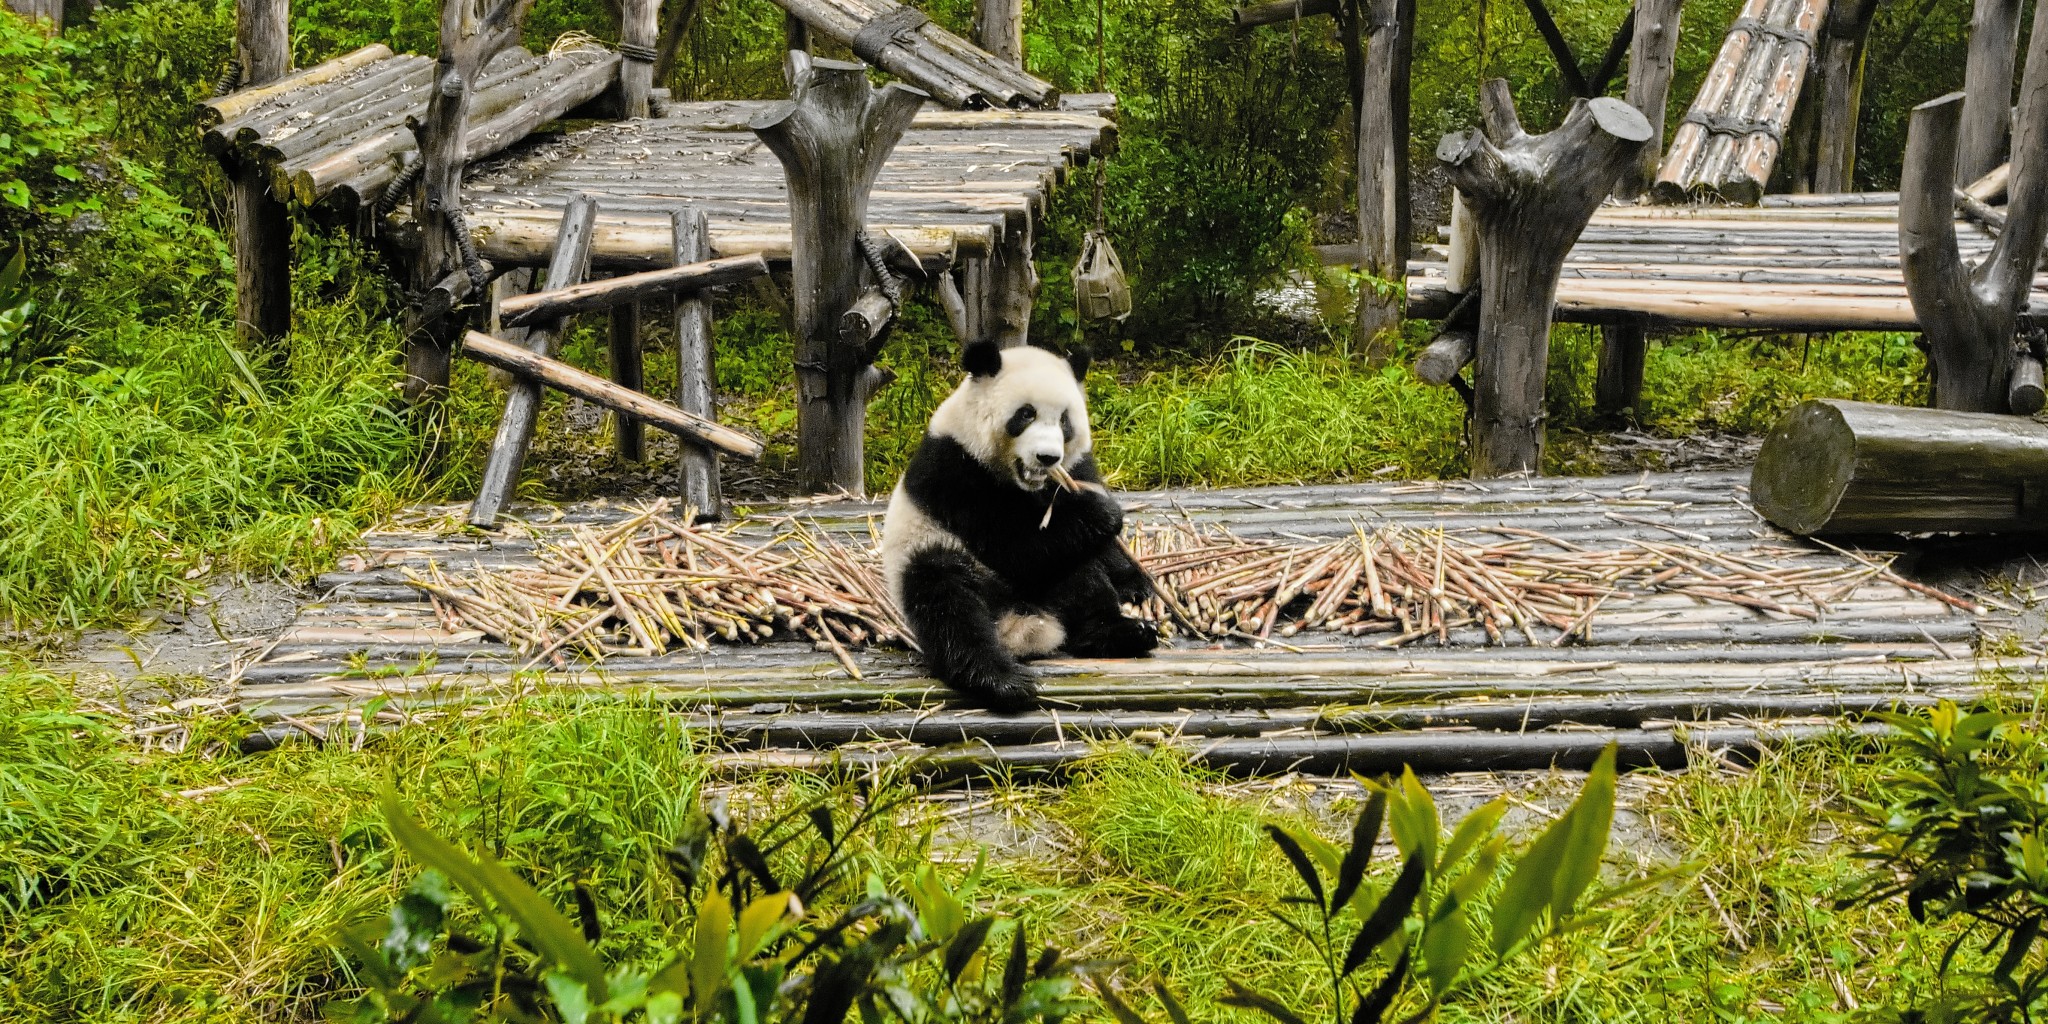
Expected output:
(758, 947)
(1428, 935)
(1958, 836)
(15, 305)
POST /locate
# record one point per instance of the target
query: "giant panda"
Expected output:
(984, 575)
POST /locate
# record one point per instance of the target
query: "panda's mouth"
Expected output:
(1031, 476)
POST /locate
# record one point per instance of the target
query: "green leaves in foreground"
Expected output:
(1421, 925)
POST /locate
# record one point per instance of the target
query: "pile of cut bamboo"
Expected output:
(336, 133)
(653, 582)
(905, 43)
(1731, 137)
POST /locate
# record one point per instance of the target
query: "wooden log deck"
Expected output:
(1795, 263)
(1659, 673)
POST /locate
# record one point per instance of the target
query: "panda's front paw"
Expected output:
(1012, 688)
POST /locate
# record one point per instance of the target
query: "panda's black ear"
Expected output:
(1080, 359)
(982, 359)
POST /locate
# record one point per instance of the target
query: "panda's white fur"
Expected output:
(976, 415)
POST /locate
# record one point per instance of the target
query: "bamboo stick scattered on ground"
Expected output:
(652, 583)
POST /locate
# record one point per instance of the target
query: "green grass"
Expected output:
(121, 900)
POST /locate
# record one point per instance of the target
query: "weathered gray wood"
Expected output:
(1969, 317)
(1443, 358)
(1839, 78)
(1835, 467)
(639, 25)
(1653, 58)
(999, 28)
(623, 335)
(2026, 394)
(591, 388)
(1383, 170)
(468, 43)
(1531, 195)
(523, 396)
(796, 57)
(262, 224)
(1619, 386)
(696, 376)
(673, 32)
(1251, 16)
(1005, 286)
(1987, 88)
(589, 296)
(864, 321)
(49, 11)
(832, 139)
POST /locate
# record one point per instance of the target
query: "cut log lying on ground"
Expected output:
(559, 375)
(594, 295)
(1835, 467)
(1249, 17)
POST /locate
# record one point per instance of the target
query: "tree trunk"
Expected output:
(522, 400)
(1383, 172)
(1531, 196)
(1987, 88)
(999, 28)
(1650, 66)
(696, 377)
(1619, 386)
(1249, 17)
(263, 226)
(1969, 317)
(1840, 467)
(639, 25)
(1839, 78)
(832, 139)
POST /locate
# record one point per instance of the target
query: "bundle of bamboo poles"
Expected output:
(1732, 135)
(652, 583)
(337, 132)
(954, 71)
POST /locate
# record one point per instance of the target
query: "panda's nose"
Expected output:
(1048, 458)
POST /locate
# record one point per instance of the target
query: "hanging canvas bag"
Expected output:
(1100, 290)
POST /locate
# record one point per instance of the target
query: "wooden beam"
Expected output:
(1560, 50)
(1251, 16)
(1987, 88)
(591, 388)
(832, 138)
(262, 224)
(1835, 467)
(1531, 195)
(1617, 48)
(590, 296)
(639, 28)
(1383, 225)
(1651, 63)
(999, 28)
(523, 398)
(696, 376)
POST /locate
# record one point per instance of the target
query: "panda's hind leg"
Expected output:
(1089, 606)
(950, 604)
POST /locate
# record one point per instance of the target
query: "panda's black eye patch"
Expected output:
(1023, 417)
(1066, 425)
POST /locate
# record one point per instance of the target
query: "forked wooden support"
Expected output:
(1970, 316)
(832, 138)
(1531, 196)
(522, 402)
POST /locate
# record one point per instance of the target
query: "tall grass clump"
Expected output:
(1260, 413)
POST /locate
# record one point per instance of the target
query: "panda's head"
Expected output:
(1020, 412)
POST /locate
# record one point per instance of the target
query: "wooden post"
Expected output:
(262, 225)
(696, 376)
(1969, 318)
(522, 400)
(51, 11)
(999, 28)
(832, 137)
(1987, 88)
(1839, 82)
(1531, 195)
(1650, 66)
(639, 24)
(1383, 171)
(624, 336)
(1619, 386)
(1839, 467)
(467, 44)
(796, 59)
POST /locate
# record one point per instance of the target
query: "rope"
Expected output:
(478, 276)
(1101, 165)
(886, 281)
(636, 52)
(394, 193)
(1756, 25)
(228, 79)
(1726, 124)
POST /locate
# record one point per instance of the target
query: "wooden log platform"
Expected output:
(1796, 263)
(1658, 672)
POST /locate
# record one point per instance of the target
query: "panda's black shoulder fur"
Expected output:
(1000, 523)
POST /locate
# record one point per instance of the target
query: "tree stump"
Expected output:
(1970, 317)
(832, 137)
(1841, 467)
(263, 227)
(1383, 169)
(1531, 196)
